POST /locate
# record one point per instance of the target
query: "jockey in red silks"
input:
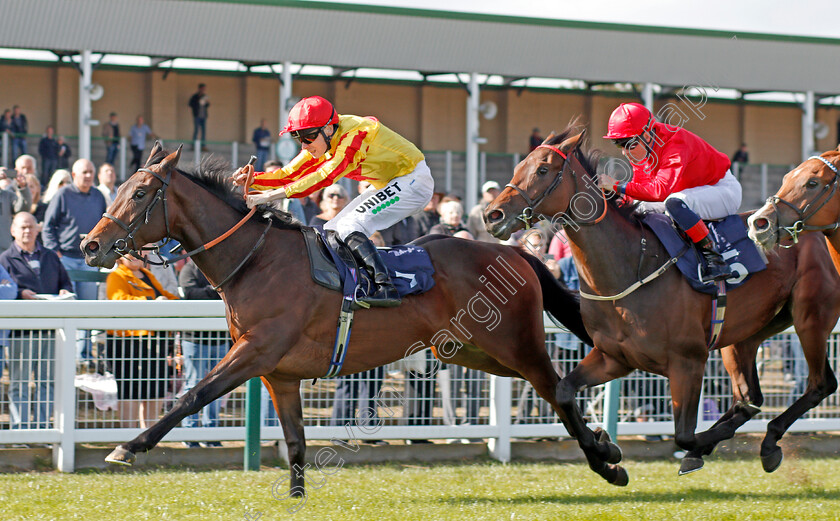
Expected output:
(337, 145)
(673, 165)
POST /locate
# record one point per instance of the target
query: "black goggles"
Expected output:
(629, 142)
(306, 136)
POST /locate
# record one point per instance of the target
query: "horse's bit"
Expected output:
(799, 226)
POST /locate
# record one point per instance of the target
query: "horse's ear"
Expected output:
(549, 138)
(171, 161)
(569, 144)
(157, 147)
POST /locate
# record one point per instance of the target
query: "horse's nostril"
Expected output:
(92, 246)
(495, 216)
(761, 224)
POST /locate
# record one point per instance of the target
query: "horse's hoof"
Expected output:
(621, 478)
(615, 453)
(690, 465)
(771, 461)
(121, 456)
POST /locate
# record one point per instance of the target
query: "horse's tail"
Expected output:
(560, 301)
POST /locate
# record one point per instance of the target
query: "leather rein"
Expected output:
(799, 226)
(127, 245)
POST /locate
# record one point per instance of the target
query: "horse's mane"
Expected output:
(213, 174)
(589, 159)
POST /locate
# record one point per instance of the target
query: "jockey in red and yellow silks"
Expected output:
(335, 146)
(677, 167)
(365, 150)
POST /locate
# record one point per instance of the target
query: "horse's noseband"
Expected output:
(127, 244)
(528, 213)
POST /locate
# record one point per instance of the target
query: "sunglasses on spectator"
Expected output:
(332, 195)
(306, 136)
(629, 143)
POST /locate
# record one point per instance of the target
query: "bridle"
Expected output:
(803, 214)
(122, 246)
(529, 212)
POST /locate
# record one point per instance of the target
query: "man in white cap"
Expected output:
(475, 220)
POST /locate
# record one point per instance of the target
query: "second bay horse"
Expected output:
(663, 326)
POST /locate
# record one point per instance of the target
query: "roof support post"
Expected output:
(285, 146)
(84, 105)
(473, 141)
(647, 96)
(808, 116)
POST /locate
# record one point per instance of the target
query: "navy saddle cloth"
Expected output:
(730, 235)
(334, 267)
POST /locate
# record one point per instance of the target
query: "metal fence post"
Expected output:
(64, 454)
(764, 181)
(448, 171)
(611, 398)
(7, 158)
(252, 425)
(482, 168)
(197, 149)
(234, 153)
(123, 161)
(500, 408)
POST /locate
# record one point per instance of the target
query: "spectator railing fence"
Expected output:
(417, 398)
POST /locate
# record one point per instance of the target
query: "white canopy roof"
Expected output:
(349, 36)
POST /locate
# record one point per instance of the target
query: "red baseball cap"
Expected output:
(311, 112)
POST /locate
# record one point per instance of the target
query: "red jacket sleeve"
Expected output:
(661, 183)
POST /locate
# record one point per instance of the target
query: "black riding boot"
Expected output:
(384, 295)
(716, 268)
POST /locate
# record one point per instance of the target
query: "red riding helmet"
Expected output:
(311, 112)
(628, 120)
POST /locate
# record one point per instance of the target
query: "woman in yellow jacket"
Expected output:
(339, 145)
(137, 358)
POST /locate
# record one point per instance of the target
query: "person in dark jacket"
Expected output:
(19, 128)
(199, 103)
(74, 211)
(48, 150)
(36, 271)
(201, 350)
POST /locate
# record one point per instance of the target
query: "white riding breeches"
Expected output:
(375, 210)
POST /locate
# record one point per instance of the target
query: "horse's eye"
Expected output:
(543, 170)
(139, 194)
(812, 183)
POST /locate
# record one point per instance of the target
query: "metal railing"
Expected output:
(415, 398)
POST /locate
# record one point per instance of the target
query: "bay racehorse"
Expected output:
(663, 326)
(807, 201)
(283, 324)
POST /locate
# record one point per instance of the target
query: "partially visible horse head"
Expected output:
(136, 217)
(543, 184)
(807, 201)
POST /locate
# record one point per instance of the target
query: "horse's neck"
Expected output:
(203, 218)
(833, 242)
(607, 253)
